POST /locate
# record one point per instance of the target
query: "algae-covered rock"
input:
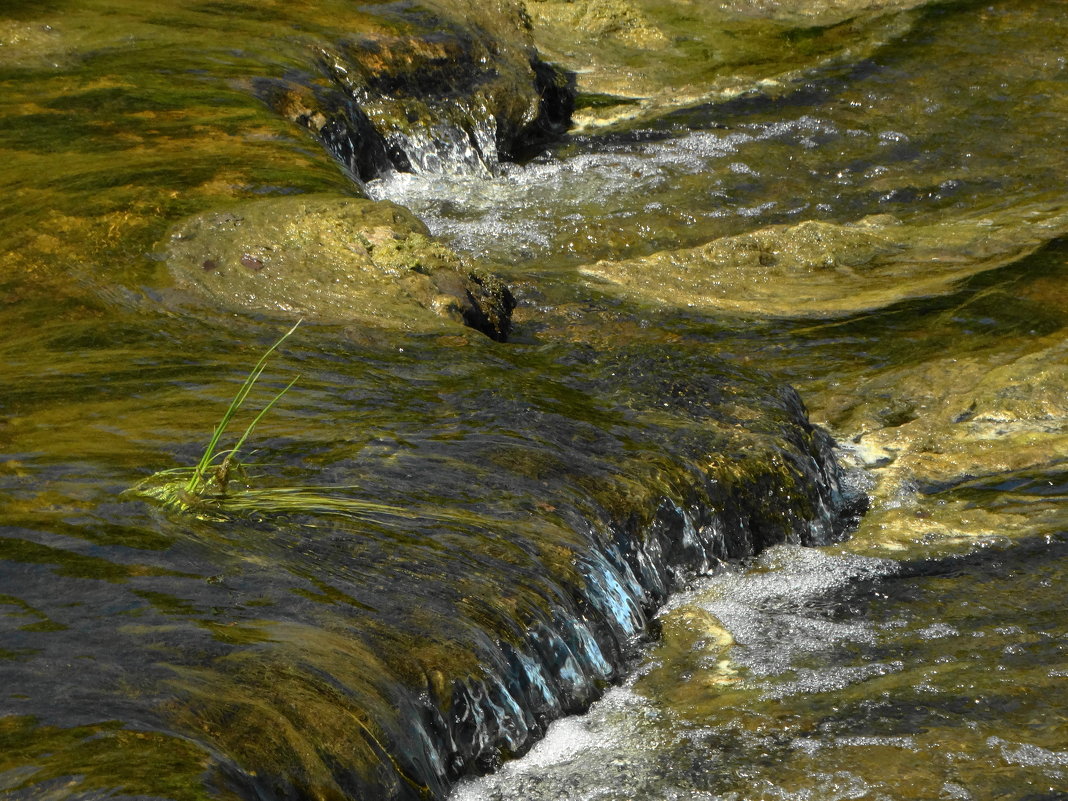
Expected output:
(825, 269)
(639, 58)
(335, 258)
(161, 115)
(454, 87)
(996, 412)
(940, 435)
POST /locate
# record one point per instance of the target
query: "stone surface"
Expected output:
(939, 434)
(454, 88)
(824, 269)
(338, 259)
(640, 58)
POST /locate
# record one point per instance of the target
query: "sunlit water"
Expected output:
(825, 676)
(926, 658)
(831, 676)
(889, 135)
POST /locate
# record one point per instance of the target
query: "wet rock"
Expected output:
(977, 412)
(454, 89)
(651, 56)
(824, 269)
(335, 258)
(991, 422)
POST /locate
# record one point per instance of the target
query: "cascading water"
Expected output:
(862, 199)
(812, 673)
(449, 102)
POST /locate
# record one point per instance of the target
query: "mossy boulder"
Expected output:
(962, 444)
(453, 88)
(824, 269)
(338, 259)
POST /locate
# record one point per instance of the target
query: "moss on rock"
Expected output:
(338, 259)
(825, 269)
(656, 55)
(452, 89)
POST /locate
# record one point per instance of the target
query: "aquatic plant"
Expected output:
(204, 474)
(218, 487)
(208, 482)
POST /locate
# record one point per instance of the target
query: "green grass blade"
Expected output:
(209, 453)
(259, 416)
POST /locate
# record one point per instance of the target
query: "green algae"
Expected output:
(42, 622)
(656, 56)
(532, 546)
(822, 269)
(100, 388)
(336, 259)
(934, 416)
(104, 756)
(268, 730)
(153, 116)
(69, 563)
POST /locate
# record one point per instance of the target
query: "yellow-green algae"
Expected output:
(82, 427)
(118, 120)
(333, 258)
(983, 419)
(102, 757)
(825, 269)
(498, 555)
(642, 58)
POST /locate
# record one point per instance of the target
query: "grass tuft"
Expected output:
(203, 473)
(210, 484)
(217, 487)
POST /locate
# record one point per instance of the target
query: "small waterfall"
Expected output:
(537, 612)
(464, 142)
(565, 655)
(449, 102)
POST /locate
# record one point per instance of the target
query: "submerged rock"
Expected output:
(639, 58)
(338, 259)
(825, 269)
(982, 425)
(602, 483)
(537, 505)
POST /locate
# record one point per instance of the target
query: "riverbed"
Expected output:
(469, 535)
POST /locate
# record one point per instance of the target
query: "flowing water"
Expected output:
(577, 511)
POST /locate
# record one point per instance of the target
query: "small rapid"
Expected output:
(829, 675)
(560, 207)
(816, 222)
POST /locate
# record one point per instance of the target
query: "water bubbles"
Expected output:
(937, 631)
(585, 198)
(1025, 754)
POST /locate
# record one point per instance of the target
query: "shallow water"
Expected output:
(815, 675)
(963, 113)
(925, 658)
(275, 654)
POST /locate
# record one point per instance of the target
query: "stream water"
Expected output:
(585, 511)
(836, 675)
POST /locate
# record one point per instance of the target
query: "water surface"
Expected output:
(152, 654)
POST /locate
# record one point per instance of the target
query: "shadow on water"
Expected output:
(556, 490)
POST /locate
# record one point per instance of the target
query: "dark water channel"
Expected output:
(625, 501)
